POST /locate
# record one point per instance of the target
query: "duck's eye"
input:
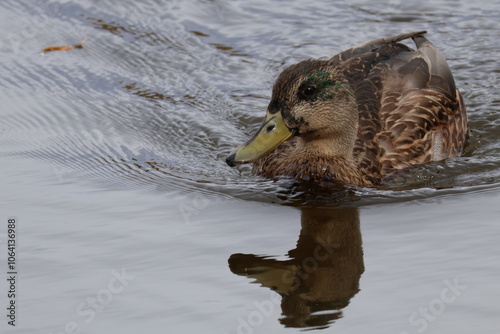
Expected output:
(309, 91)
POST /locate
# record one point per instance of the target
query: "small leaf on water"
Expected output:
(65, 47)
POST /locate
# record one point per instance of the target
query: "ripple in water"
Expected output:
(161, 102)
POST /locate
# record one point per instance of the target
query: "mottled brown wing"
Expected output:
(367, 74)
(428, 126)
(423, 114)
(409, 109)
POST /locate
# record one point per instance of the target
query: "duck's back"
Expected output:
(410, 111)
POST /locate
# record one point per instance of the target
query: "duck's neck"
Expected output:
(308, 158)
(329, 158)
(333, 148)
(313, 161)
(325, 168)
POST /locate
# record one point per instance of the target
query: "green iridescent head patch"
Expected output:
(315, 87)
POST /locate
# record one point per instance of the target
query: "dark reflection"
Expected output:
(322, 273)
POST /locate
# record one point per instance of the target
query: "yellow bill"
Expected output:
(269, 136)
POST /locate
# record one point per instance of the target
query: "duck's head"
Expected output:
(312, 100)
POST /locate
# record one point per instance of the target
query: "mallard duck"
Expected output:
(359, 116)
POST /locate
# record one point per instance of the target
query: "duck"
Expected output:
(359, 117)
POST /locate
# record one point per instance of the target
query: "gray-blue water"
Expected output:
(129, 220)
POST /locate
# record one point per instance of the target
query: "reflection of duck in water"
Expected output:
(360, 116)
(323, 272)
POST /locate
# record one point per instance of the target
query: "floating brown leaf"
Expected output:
(65, 47)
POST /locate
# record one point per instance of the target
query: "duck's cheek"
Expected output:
(309, 133)
(305, 128)
(292, 121)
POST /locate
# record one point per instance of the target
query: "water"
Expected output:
(112, 161)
